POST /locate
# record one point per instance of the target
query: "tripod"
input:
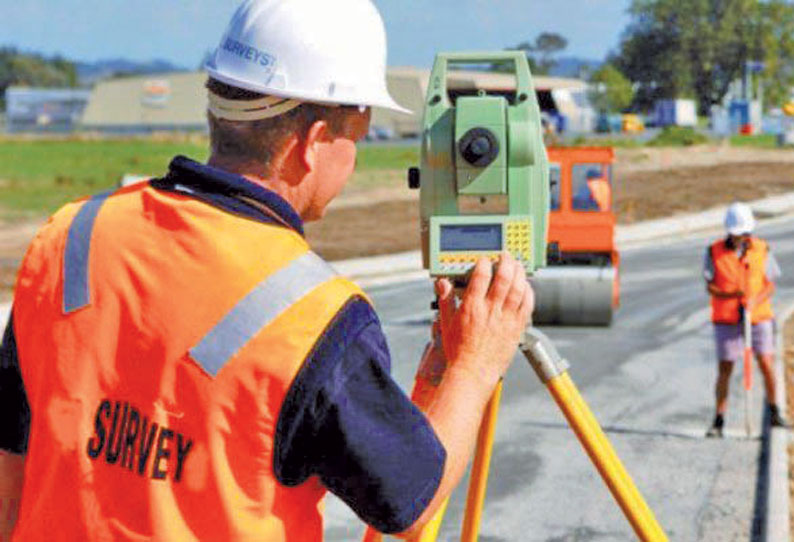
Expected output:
(552, 370)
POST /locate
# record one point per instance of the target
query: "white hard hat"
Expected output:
(321, 51)
(739, 219)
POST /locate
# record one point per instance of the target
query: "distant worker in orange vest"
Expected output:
(740, 273)
(179, 365)
(594, 194)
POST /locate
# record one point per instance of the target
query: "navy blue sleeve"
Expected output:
(14, 409)
(346, 420)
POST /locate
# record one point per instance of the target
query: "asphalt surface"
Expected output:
(649, 380)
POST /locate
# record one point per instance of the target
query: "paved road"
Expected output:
(648, 379)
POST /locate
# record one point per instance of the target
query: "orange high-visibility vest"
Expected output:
(747, 274)
(157, 338)
(601, 192)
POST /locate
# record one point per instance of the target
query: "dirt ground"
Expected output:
(788, 349)
(648, 183)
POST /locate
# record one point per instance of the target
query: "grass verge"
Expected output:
(761, 141)
(39, 175)
(678, 136)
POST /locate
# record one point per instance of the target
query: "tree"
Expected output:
(696, 48)
(540, 53)
(547, 45)
(33, 70)
(775, 47)
(528, 48)
(610, 90)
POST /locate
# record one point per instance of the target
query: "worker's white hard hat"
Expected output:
(320, 51)
(739, 219)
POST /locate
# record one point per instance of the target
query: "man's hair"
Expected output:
(260, 140)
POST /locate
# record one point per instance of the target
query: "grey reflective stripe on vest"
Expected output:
(261, 306)
(76, 293)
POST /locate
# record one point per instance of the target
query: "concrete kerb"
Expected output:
(381, 270)
(776, 523)
(686, 224)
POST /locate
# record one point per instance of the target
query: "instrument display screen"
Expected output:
(471, 237)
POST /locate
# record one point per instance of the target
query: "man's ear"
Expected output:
(318, 133)
(290, 157)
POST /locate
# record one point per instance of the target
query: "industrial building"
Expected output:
(177, 101)
(44, 109)
(140, 104)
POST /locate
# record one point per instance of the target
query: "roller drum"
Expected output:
(574, 295)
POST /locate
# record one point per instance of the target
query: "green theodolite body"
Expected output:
(484, 171)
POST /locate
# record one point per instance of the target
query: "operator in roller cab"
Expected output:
(594, 194)
(740, 272)
(179, 364)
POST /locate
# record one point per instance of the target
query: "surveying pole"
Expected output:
(747, 368)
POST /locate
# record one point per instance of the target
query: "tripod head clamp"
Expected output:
(542, 354)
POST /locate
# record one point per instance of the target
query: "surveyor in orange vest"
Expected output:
(740, 272)
(179, 365)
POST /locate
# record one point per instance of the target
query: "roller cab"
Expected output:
(581, 285)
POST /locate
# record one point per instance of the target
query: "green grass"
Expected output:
(765, 141)
(38, 176)
(373, 157)
(678, 136)
(626, 142)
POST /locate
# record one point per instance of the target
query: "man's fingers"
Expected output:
(527, 304)
(515, 295)
(443, 288)
(435, 329)
(503, 280)
(479, 280)
(446, 304)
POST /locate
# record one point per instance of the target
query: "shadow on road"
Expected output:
(618, 430)
(761, 484)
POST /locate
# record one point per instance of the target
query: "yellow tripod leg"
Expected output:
(430, 531)
(478, 482)
(603, 456)
(552, 370)
(479, 469)
(422, 395)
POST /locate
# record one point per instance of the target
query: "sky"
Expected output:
(182, 31)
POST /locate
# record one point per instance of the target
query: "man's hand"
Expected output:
(482, 334)
(716, 292)
(479, 340)
(766, 292)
